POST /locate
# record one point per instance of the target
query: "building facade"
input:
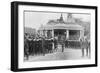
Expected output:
(56, 28)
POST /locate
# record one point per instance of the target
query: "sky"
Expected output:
(36, 19)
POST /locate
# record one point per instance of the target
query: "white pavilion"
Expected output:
(69, 28)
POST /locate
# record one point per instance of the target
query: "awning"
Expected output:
(62, 26)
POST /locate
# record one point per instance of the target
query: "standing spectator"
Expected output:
(55, 43)
(87, 47)
(82, 43)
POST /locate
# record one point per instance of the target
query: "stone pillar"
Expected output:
(81, 33)
(52, 33)
(42, 32)
(46, 33)
(67, 34)
(53, 38)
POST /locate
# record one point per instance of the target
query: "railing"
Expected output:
(72, 44)
(74, 37)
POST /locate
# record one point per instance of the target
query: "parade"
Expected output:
(47, 38)
(43, 46)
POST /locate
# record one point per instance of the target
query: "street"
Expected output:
(68, 54)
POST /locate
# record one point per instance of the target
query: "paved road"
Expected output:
(68, 54)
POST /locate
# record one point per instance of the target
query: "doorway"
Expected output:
(59, 33)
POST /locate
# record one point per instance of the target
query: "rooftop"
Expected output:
(61, 24)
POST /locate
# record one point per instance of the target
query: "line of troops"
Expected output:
(42, 46)
(37, 46)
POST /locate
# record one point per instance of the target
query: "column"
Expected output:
(52, 33)
(67, 34)
(81, 33)
(46, 33)
(53, 37)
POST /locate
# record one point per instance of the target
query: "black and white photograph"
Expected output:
(56, 36)
(53, 36)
